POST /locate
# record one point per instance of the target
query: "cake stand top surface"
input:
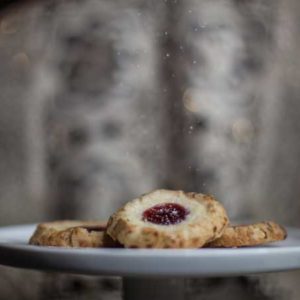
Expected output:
(280, 256)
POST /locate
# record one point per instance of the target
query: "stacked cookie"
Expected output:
(160, 219)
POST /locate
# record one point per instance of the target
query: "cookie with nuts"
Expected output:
(168, 219)
(72, 234)
(249, 235)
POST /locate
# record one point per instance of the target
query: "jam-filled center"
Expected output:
(165, 214)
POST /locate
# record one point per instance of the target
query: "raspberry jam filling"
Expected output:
(165, 214)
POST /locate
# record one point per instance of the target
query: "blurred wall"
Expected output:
(102, 101)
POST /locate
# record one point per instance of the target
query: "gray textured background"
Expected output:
(104, 100)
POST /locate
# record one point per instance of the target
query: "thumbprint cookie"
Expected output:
(168, 219)
(72, 234)
(249, 235)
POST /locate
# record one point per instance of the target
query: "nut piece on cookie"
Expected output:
(249, 235)
(72, 234)
(168, 219)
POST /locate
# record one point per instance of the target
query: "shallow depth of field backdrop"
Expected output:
(101, 101)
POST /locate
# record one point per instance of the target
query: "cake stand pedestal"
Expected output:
(154, 274)
(153, 288)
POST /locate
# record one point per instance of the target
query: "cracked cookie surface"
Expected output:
(249, 235)
(168, 219)
(72, 234)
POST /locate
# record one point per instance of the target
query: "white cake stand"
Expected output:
(149, 273)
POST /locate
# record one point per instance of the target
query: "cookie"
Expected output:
(249, 235)
(72, 234)
(168, 219)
